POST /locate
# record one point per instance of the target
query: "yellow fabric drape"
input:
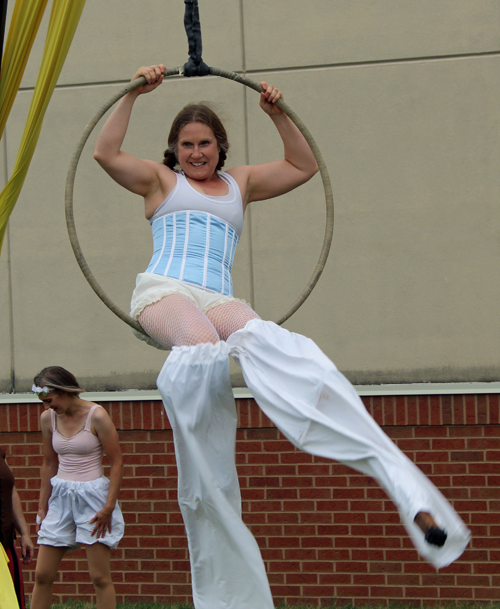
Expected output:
(8, 598)
(26, 19)
(64, 19)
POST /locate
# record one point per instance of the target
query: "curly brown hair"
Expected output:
(196, 113)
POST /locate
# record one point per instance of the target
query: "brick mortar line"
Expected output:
(286, 586)
(390, 412)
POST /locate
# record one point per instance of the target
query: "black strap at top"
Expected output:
(3, 21)
(195, 66)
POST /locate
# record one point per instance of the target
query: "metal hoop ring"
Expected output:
(70, 182)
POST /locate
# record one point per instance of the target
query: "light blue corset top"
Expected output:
(195, 247)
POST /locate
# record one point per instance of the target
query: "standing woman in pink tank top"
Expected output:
(77, 505)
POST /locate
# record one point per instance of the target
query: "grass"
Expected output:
(334, 605)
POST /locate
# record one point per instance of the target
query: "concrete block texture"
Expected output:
(116, 37)
(408, 288)
(5, 321)
(341, 31)
(402, 99)
(5, 293)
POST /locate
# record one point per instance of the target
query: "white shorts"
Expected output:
(71, 506)
(150, 288)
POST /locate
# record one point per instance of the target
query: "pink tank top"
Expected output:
(80, 457)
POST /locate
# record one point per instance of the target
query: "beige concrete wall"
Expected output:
(403, 100)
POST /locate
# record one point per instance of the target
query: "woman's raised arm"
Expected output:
(278, 177)
(137, 175)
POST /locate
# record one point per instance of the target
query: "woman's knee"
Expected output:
(47, 564)
(101, 580)
(229, 317)
(44, 575)
(98, 557)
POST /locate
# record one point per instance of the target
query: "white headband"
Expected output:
(39, 390)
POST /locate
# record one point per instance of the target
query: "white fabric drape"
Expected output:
(226, 565)
(319, 411)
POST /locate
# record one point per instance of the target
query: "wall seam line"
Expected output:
(248, 212)
(345, 64)
(10, 304)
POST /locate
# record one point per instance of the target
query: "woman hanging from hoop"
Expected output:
(184, 302)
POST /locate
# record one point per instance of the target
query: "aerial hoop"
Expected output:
(70, 181)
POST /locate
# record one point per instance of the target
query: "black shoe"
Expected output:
(436, 536)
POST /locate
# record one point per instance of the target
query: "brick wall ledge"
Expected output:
(243, 392)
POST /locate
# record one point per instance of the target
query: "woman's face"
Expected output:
(197, 151)
(57, 401)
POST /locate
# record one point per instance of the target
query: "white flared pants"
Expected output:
(318, 410)
(226, 566)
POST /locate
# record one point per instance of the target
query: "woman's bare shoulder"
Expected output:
(100, 416)
(164, 174)
(45, 421)
(167, 180)
(239, 172)
(240, 175)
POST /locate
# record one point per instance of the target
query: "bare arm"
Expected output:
(49, 466)
(108, 436)
(27, 547)
(278, 177)
(140, 176)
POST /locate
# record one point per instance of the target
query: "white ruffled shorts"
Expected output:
(150, 288)
(71, 505)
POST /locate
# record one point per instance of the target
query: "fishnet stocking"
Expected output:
(176, 321)
(229, 317)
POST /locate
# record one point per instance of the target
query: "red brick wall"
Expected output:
(325, 531)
